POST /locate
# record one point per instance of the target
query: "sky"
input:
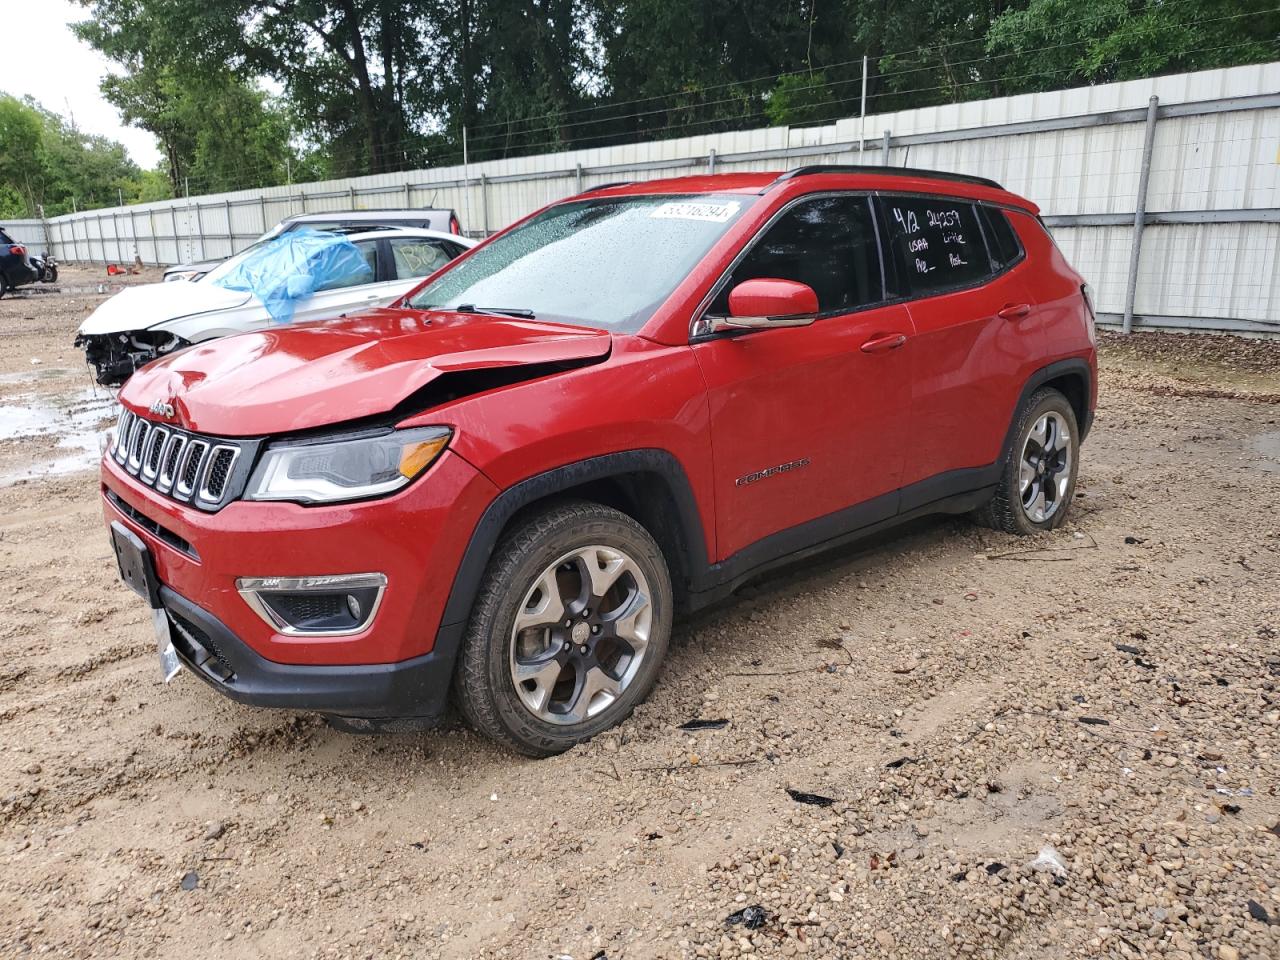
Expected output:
(50, 64)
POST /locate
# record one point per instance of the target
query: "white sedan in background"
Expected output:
(142, 323)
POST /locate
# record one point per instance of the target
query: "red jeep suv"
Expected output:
(500, 490)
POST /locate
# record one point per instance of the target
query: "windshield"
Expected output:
(598, 263)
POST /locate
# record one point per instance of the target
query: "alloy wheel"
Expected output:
(1044, 471)
(580, 635)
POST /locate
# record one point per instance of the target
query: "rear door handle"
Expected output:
(1014, 311)
(881, 344)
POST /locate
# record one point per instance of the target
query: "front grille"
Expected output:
(206, 472)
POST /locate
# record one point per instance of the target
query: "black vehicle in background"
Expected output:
(15, 265)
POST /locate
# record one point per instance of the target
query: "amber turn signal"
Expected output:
(417, 456)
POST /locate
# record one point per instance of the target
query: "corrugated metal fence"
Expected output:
(1209, 143)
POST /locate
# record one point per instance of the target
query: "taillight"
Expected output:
(455, 225)
(1087, 292)
(18, 251)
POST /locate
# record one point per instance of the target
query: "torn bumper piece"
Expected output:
(414, 689)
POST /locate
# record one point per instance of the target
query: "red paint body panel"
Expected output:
(415, 537)
(855, 408)
(804, 393)
(315, 374)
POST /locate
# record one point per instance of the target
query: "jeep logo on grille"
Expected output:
(161, 408)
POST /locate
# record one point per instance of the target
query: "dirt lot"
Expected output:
(965, 698)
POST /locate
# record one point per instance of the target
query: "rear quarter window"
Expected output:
(1001, 238)
(935, 244)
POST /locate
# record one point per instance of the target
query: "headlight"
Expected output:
(184, 275)
(330, 470)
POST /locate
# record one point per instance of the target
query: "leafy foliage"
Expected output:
(380, 85)
(47, 164)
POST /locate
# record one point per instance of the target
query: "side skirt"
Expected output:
(957, 491)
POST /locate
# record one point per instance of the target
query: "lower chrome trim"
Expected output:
(251, 588)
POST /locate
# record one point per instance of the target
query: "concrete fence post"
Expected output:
(484, 204)
(1140, 214)
(884, 149)
(155, 244)
(231, 232)
(578, 179)
(177, 252)
(711, 160)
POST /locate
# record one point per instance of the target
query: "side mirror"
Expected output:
(766, 302)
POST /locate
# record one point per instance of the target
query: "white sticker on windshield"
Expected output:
(693, 210)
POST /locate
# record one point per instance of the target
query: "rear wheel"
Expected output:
(1039, 476)
(569, 629)
(4, 286)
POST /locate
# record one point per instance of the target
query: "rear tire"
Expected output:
(4, 287)
(1038, 479)
(569, 629)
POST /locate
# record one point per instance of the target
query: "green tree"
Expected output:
(1050, 44)
(47, 164)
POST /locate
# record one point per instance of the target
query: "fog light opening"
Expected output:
(333, 605)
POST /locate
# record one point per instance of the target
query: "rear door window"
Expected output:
(418, 256)
(935, 244)
(828, 243)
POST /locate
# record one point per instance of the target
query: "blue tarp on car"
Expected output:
(293, 266)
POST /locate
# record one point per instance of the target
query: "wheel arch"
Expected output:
(649, 485)
(1072, 378)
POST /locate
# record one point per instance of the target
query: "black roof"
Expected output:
(886, 172)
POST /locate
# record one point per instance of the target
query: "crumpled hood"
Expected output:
(137, 308)
(310, 375)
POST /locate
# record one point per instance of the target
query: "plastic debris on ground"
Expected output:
(704, 724)
(295, 265)
(753, 917)
(1049, 860)
(812, 799)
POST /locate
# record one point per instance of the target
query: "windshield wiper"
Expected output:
(518, 312)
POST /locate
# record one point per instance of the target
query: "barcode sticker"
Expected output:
(691, 210)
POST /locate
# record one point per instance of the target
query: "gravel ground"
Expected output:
(1063, 747)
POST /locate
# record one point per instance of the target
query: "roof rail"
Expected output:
(885, 172)
(606, 186)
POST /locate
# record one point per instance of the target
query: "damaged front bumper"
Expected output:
(115, 356)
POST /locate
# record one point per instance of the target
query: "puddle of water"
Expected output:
(80, 420)
(37, 375)
(1267, 445)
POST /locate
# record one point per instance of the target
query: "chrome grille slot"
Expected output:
(151, 457)
(206, 472)
(192, 464)
(221, 460)
(169, 462)
(138, 440)
(121, 449)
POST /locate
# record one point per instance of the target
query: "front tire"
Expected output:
(1038, 480)
(569, 629)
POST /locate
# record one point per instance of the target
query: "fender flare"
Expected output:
(1074, 367)
(475, 559)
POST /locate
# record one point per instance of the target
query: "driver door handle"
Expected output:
(1014, 311)
(882, 344)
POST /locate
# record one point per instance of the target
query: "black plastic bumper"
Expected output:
(411, 689)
